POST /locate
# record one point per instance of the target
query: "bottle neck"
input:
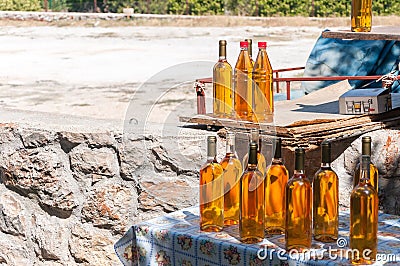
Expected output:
(278, 149)
(222, 52)
(255, 137)
(299, 161)
(211, 159)
(230, 144)
(277, 161)
(366, 148)
(253, 160)
(211, 150)
(299, 172)
(365, 173)
(325, 165)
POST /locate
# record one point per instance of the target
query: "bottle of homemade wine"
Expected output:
(262, 86)
(211, 191)
(361, 15)
(326, 199)
(242, 84)
(366, 150)
(364, 217)
(222, 84)
(251, 220)
(275, 198)
(250, 42)
(262, 163)
(232, 172)
(298, 232)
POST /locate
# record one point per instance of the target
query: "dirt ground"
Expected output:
(93, 69)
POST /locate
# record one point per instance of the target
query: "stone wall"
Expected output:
(66, 198)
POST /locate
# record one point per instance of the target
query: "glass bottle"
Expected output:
(361, 15)
(298, 232)
(262, 86)
(366, 150)
(262, 163)
(275, 186)
(232, 172)
(325, 199)
(251, 217)
(222, 84)
(364, 217)
(242, 83)
(211, 191)
(250, 42)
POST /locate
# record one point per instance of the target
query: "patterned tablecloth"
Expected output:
(175, 239)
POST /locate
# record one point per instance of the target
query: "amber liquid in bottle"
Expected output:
(242, 84)
(326, 199)
(222, 84)
(298, 232)
(364, 218)
(361, 15)
(262, 163)
(211, 191)
(262, 86)
(250, 49)
(232, 172)
(275, 196)
(251, 220)
(366, 150)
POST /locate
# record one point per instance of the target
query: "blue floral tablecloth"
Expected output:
(175, 239)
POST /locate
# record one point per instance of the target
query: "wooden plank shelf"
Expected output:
(377, 33)
(308, 132)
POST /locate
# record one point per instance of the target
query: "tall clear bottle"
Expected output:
(262, 163)
(374, 175)
(222, 84)
(361, 15)
(275, 196)
(232, 172)
(263, 96)
(326, 199)
(242, 83)
(298, 231)
(251, 220)
(211, 191)
(364, 217)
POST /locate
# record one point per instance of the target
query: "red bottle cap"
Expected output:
(262, 44)
(244, 44)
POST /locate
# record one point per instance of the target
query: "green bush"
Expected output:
(318, 8)
(20, 5)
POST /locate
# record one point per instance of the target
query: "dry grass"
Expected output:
(206, 21)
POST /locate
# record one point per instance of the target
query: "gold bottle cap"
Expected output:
(366, 145)
(211, 146)
(222, 48)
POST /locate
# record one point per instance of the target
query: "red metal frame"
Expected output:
(200, 83)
